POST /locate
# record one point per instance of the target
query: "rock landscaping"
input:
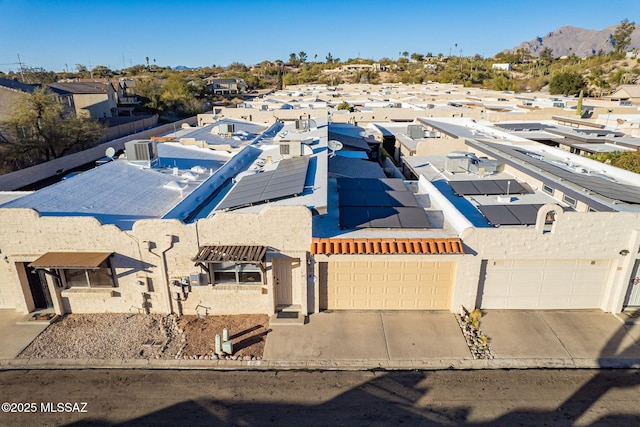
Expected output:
(152, 336)
(470, 325)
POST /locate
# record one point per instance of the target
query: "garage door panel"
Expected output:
(557, 275)
(389, 285)
(557, 289)
(545, 284)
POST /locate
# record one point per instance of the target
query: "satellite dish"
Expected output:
(334, 146)
(620, 121)
(110, 152)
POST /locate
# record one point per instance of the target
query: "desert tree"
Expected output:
(38, 130)
(621, 37)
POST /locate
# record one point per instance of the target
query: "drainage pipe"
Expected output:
(163, 267)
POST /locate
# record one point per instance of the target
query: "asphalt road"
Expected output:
(321, 398)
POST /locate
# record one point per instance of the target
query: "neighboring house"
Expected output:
(126, 97)
(11, 90)
(165, 216)
(360, 67)
(626, 93)
(503, 67)
(225, 86)
(92, 99)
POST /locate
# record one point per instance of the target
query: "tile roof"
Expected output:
(386, 246)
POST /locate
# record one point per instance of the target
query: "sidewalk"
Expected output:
(414, 340)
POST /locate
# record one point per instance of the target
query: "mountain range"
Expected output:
(569, 40)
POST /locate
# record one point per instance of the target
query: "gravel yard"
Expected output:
(153, 336)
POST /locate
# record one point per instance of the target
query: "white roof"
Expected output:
(121, 193)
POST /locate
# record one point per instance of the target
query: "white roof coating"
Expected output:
(243, 134)
(121, 193)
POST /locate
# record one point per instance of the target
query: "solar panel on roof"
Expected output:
(488, 187)
(402, 198)
(385, 217)
(378, 203)
(286, 180)
(510, 215)
(597, 184)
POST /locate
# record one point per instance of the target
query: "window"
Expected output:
(549, 221)
(569, 200)
(547, 189)
(236, 274)
(96, 278)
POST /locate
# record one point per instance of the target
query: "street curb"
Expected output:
(329, 365)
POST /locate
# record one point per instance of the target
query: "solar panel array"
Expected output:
(378, 203)
(522, 127)
(488, 187)
(286, 180)
(511, 214)
(604, 187)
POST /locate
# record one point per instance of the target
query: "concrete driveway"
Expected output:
(571, 334)
(369, 335)
(15, 337)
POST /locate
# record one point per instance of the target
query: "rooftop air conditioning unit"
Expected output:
(290, 149)
(415, 131)
(264, 107)
(142, 152)
(302, 124)
(227, 129)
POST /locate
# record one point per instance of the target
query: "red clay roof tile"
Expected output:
(339, 246)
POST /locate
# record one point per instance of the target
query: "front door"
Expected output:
(633, 294)
(39, 288)
(282, 281)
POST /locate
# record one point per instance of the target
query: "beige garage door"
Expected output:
(374, 285)
(545, 284)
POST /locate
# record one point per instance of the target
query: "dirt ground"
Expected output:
(138, 336)
(248, 333)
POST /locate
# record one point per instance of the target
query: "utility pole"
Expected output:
(21, 69)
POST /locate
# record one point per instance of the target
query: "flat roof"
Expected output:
(314, 147)
(489, 191)
(600, 186)
(244, 133)
(121, 193)
(328, 225)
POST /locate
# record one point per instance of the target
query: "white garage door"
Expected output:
(388, 285)
(545, 284)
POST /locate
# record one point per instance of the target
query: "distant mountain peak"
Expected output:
(568, 40)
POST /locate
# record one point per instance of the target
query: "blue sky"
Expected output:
(57, 35)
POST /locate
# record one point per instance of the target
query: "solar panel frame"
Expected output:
(378, 203)
(286, 180)
(493, 187)
(510, 215)
(403, 198)
(609, 189)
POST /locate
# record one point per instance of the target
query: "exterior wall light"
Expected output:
(624, 252)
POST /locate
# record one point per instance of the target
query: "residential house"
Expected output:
(626, 94)
(263, 223)
(11, 90)
(91, 99)
(503, 67)
(219, 86)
